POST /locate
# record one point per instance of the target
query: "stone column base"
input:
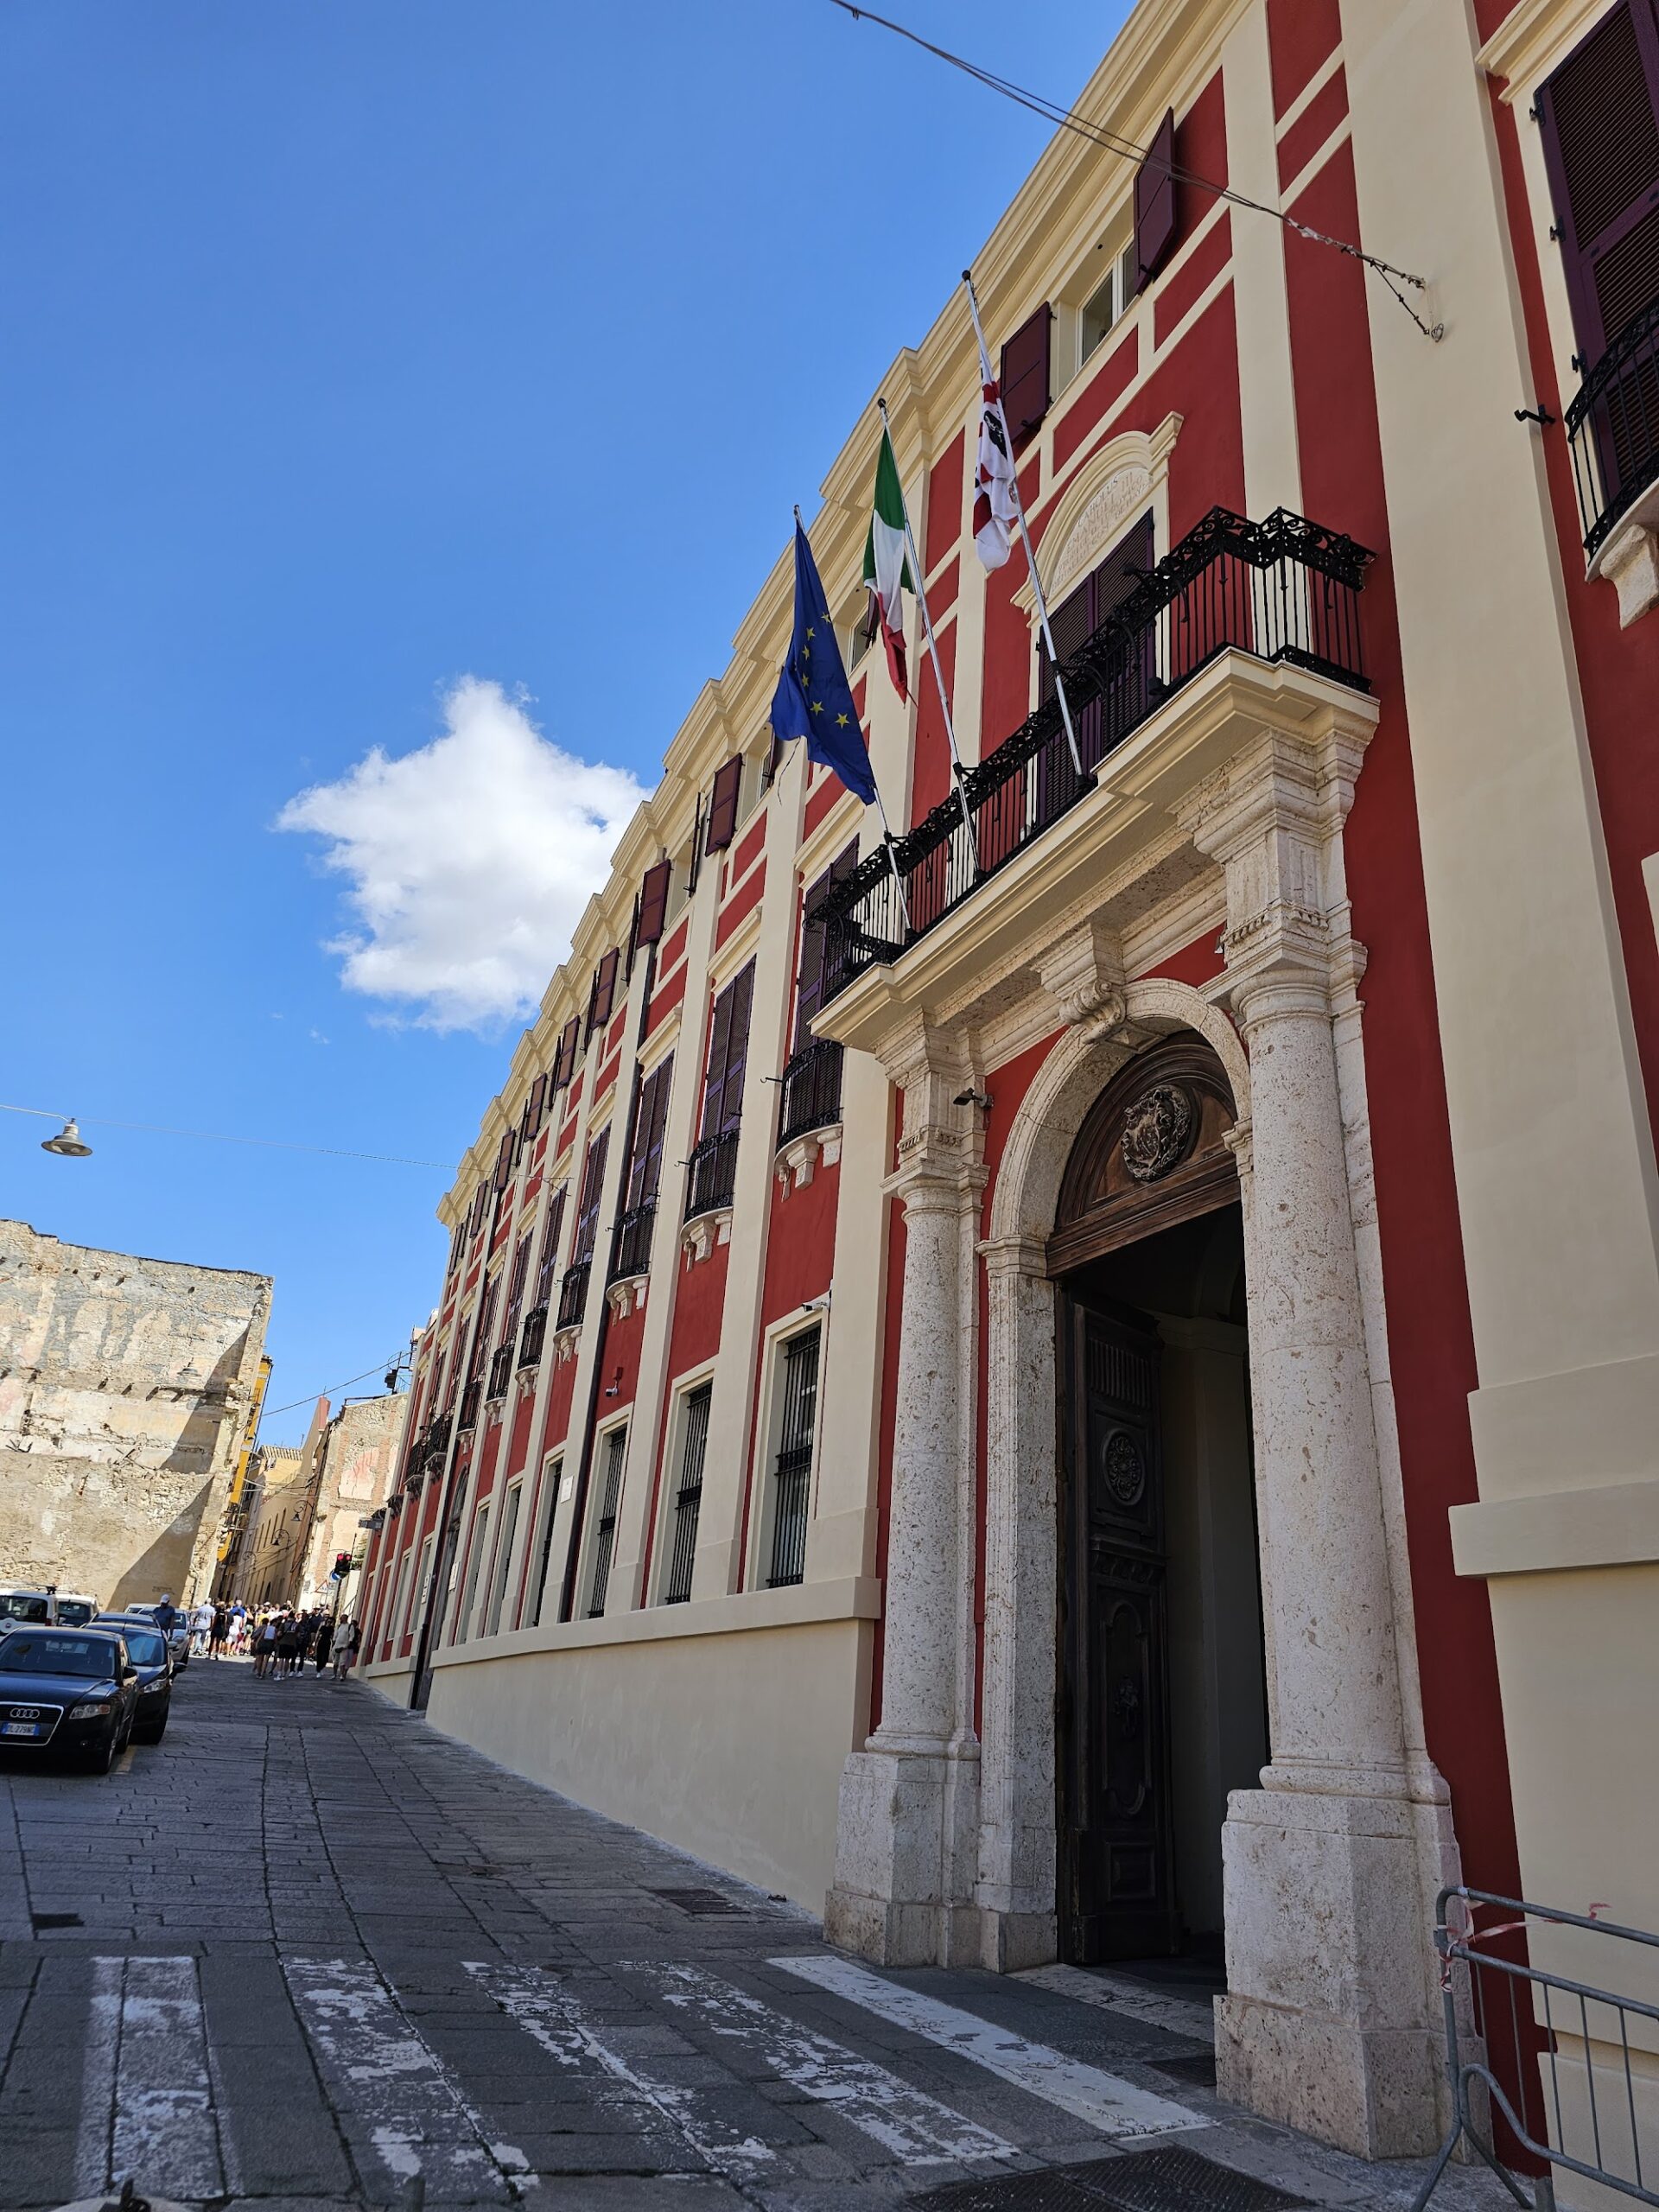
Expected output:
(1328, 2025)
(1011, 1941)
(902, 1820)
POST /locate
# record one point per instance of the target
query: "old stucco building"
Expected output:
(1115, 1408)
(308, 1504)
(125, 1385)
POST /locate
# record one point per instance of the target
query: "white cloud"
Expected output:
(469, 861)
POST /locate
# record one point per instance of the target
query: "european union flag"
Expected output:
(814, 699)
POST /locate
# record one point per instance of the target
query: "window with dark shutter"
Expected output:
(1600, 117)
(651, 1119)
(593, 1180)
(728, 1054)
(1155, 205)
(808, 989)
(550, 1258)
(1121, 701)
(1025, 377)
(653, 904)
(570, 1044)
(480, 1206)
(602, 994)
(504, 1161)
(529, 1127)
(722, 805)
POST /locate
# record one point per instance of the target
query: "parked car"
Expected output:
(58, 1608)
(65, 1689)
(178, 1636)
(74, 1608)
(146, 1649)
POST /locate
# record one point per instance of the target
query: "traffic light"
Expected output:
(342, 1567)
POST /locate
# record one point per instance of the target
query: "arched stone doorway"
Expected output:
(1160, 1706)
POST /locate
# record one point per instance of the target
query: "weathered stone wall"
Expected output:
(359, 1449)
(124, 1383)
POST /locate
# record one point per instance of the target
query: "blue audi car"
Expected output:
(74, 1691)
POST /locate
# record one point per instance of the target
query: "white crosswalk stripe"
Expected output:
(1117, 2107)
(147, 2101)
(381, 2071)
(917, 2129)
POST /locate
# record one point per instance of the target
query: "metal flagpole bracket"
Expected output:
(1037, 592)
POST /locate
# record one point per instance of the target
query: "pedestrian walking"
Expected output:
(218, 1632)
(323, 1642)
(201, 1627)
(166, 1613)
(290, 1641)
(345, 1648)
(264, 1644)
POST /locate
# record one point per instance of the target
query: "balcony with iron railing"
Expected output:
(572, 1294)
(711, 1174)
(1613, 429)
(500, 1370)
(811, 1090)
(437, 1441)
(1284, 591)
(630, 1242)
(533, 1337)
(471, 1397)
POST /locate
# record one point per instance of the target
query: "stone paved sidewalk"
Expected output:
(308, 1954)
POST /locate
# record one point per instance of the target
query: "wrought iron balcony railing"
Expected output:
(437, 1441)
(631, 1243)
(534, 1335)
(573, 1293)
(812, 1087)
(1283, 590)
(500, 1371)
(712, 1174)
(470, 1400)
(1613, 428)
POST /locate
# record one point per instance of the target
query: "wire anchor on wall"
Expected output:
(1112, 141)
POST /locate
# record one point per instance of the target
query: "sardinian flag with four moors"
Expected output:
(996, 505)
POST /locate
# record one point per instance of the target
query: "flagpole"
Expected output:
(933, 655)
(888, 838)
(1025, 534)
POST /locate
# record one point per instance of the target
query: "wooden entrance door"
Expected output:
(1117, 1874)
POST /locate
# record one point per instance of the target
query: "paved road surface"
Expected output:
(308, 1953)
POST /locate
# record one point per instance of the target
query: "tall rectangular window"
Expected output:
(792, 1471)
(463, 1627)
(543, 1554)
(616, 1447)
(729, 1055)
(503, 1557)
(688, 1496)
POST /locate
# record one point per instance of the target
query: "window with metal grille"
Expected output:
(687, 1498)
(792, 1473)
(544, 1541)
(616, 1446)
(503, 1558)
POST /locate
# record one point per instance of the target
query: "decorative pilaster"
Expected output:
(1327, 2022)
(908, 1819)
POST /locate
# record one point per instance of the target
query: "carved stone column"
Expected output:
(908, 1814)
(1327, 2023)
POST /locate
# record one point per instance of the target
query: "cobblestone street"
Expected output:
(307, 1953)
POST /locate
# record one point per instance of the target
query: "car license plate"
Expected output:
(21, 1728)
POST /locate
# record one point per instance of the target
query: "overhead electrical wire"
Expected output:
(219, 1137)
(1114, 142)
(382, 1367)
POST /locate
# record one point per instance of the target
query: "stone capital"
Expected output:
(1013, 1256)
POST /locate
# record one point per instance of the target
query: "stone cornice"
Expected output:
(1533, 37)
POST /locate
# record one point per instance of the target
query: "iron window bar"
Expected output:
(630, 1242)
(792, 1470)
(500, 1371)
(534, 1335)
(605, 1535)
(687, 1498)
(711, 1174)
(811, 1090)
(1612, 430)
(1282, 590)
(573, 1293)
(470, 1398)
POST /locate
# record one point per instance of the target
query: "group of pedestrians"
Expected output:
(283, 1640)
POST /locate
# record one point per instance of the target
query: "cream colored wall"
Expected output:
(643, 1729)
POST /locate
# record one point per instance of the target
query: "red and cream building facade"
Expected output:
(1124, 1412)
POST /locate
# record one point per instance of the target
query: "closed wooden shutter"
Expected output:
(1103, 719)
(722, 805)
(550, 1258)
(653, 904)
(1600, 117)
(651, 1119)
(529, 1127)
(728, 1053)
(593, 1180)
(1154, 204)
(602, 994)
(1025, 377)
(570, 1044)
(808, 989)
(480, 1206)
(504, 1161)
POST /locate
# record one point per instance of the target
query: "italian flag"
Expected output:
(886, 572)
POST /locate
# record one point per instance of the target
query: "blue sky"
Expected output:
(355, 348)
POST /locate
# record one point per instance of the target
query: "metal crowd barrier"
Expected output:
(1549, 2071)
